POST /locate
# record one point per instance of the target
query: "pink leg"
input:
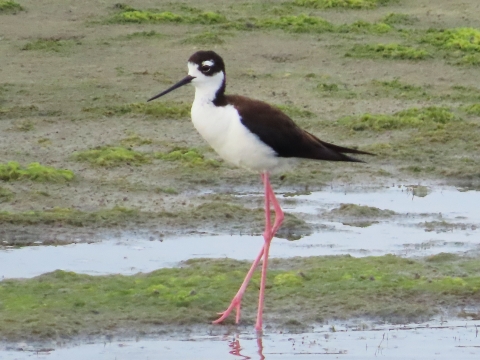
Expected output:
(268, 236)
(237, 299)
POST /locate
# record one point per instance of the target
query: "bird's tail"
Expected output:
(337, 153)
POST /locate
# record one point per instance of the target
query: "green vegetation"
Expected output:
(398, 89)
(34, 171)
(353, 210)
(9, 7)
(386, 287)
(364, 27)
(296, 23)
(167, 190)
(143, 34)
(463, 39)
(160, 109)
(5, 195)
(190, 157)
(51, 44)
(472, 109)
(18, 111)
(358, 215)
(399, 19)
(295, 112)
(73, 217)
(410, 118)
(135, 140)
(462, 44)
(109, 156)
(285, 21)
(348, 4)
(441, 226)
(328, 87)
(130, 15)
(469, 59)
(25, 125)
(336, 90)
(205, 38)
(387, 51)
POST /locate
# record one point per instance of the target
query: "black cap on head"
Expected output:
(209, 62)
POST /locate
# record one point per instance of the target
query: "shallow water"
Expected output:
(447, 340)
(132, 252)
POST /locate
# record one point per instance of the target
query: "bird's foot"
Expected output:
(235, 304)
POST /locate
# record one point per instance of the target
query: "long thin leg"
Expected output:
(268, 236)
(237, 299)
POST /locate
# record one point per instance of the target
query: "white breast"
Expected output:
(221, 127)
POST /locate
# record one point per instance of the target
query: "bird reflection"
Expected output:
(236, 348)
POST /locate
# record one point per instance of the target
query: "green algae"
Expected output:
(66, 304)
(204, 38)
(442, 226)
(18, 111)
(191, 157)
(142, 35)
(295, 112)
(462, 39)
(353, 210)
(221, 216)
(34, 171)
(388, 51)
(130, 15)
(345, 4)
(296, 24)
(364, 27)
(135, 140)
(52, 44)
(216, 212)
(472, 109)
(410, 118)
(10, 7)
(6, 195)
(399, 89)
(359, 215)
(109, 156)
(461, 44)
(399, 19)
(301, 23)
(164, 110)
(66, 216)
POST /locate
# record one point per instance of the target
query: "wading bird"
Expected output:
(253, 135)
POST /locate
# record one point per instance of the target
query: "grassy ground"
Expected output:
(388, 288)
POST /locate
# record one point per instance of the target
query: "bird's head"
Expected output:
(206, 71)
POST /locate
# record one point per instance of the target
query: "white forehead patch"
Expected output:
(208, 63)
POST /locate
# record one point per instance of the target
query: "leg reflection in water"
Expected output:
(236, 349)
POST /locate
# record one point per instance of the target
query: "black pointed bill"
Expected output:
(186, 80)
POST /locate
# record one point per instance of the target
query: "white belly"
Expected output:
(222, 129)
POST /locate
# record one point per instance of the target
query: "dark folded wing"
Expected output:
(278, 131)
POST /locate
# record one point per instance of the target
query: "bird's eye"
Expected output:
(206, 68)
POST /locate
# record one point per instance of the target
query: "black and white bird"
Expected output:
(253, 135)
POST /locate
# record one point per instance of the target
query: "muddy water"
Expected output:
(402, 234)
(435, 340)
